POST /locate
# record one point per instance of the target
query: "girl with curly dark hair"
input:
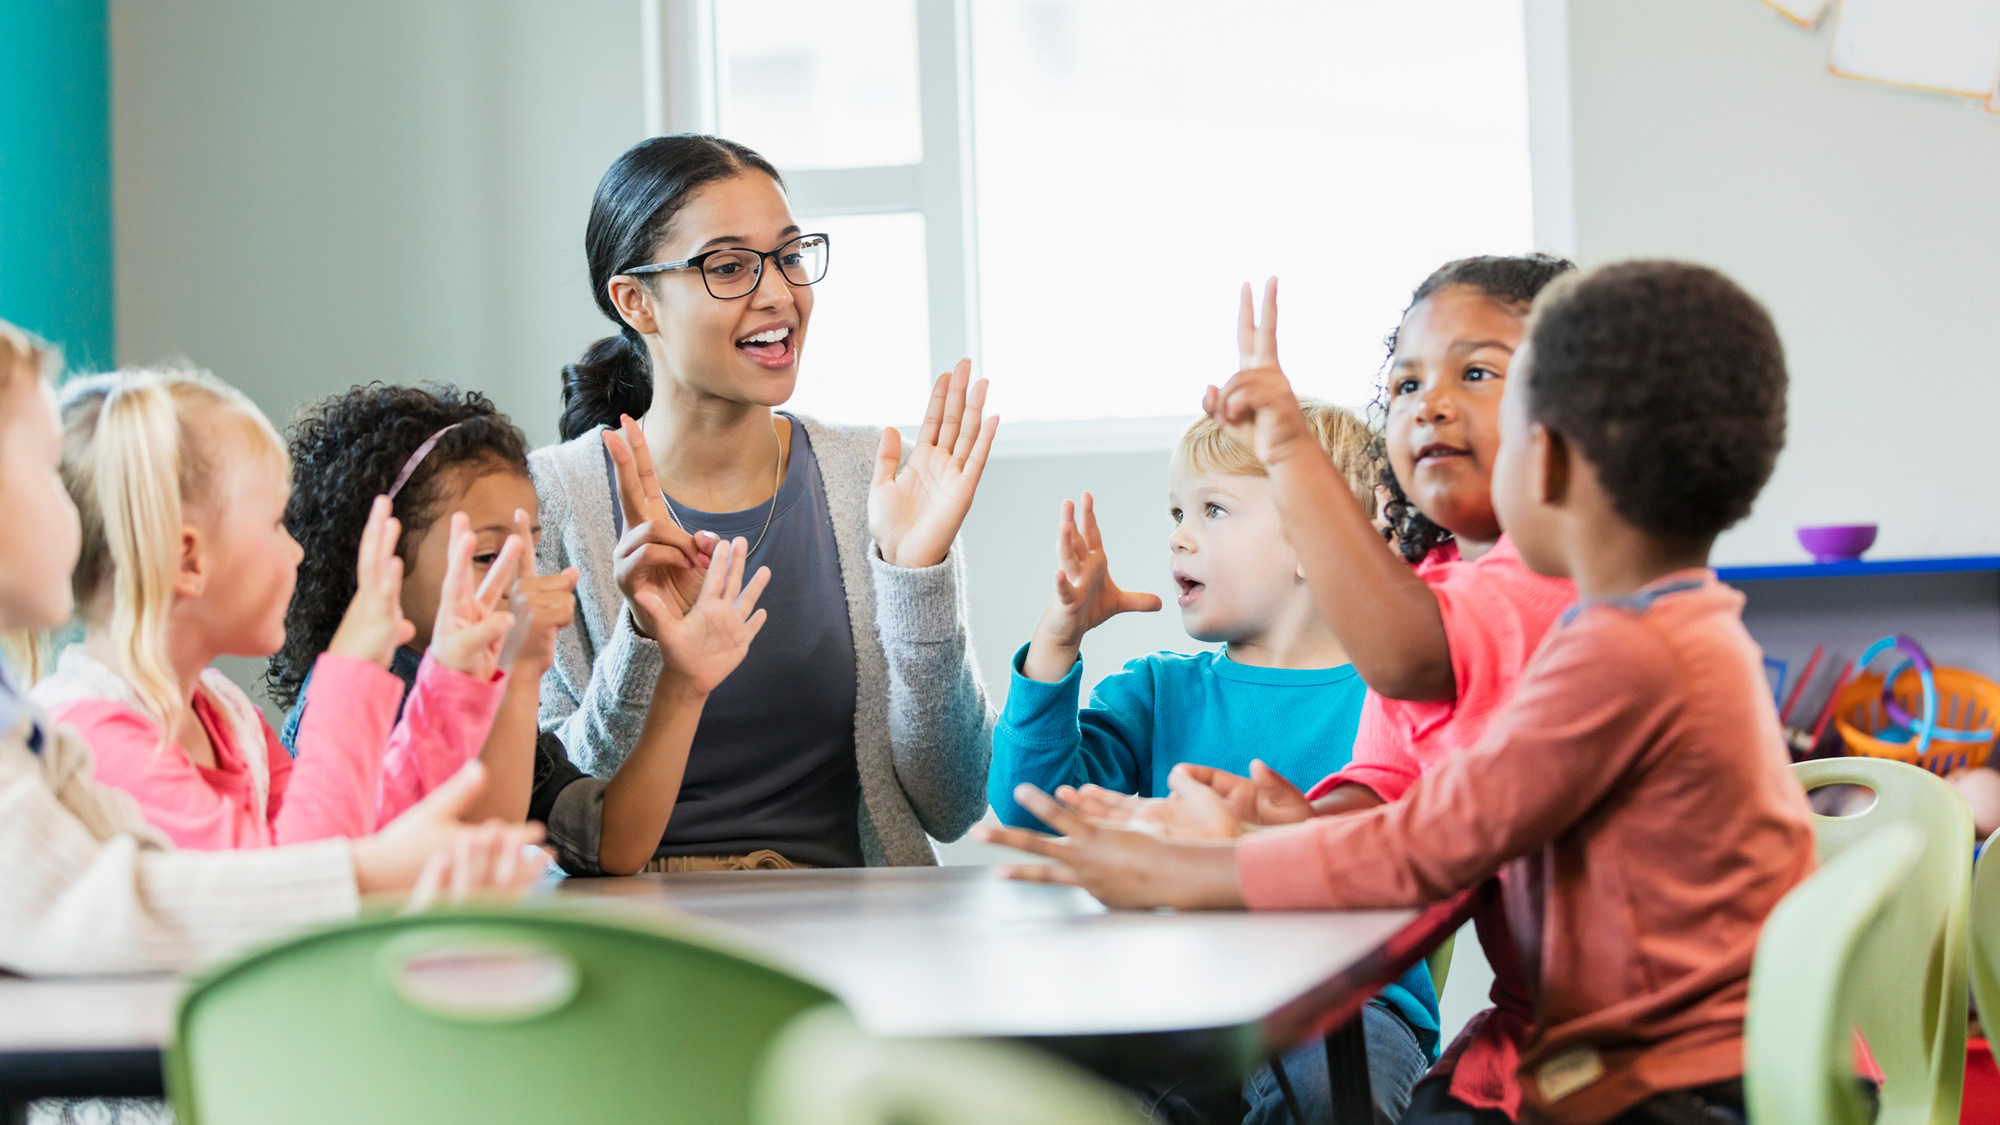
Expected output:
(448, 458)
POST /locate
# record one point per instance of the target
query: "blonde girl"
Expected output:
(181, 483)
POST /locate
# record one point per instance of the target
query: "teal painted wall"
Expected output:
(55, 175)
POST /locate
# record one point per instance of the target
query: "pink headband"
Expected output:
(417, 458)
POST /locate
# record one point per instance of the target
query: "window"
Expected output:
(1136, 161)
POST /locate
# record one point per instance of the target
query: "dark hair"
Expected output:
(1512, 279)
(347, 450)
(635, 201)
(1670, 380)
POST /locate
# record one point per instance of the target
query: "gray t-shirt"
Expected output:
(772, 764)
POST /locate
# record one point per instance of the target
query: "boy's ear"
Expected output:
(191, 569)
(1553, 459)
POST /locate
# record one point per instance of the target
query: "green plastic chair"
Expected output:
(1914, 994)
(1808, 980)
(531, 1015)
(823, 1070)
(1440, 964)
(1986, 940)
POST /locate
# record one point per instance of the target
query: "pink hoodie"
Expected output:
(358, 767)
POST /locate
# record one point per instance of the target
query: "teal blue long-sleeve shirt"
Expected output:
(1168, 708)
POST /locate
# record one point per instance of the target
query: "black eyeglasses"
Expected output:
(733, 271)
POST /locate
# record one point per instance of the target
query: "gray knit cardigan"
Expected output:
(923, 728)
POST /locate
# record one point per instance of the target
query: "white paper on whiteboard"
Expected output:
(1951, 46)
(1805, 13)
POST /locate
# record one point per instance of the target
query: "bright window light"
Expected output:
(812, 84)
(867, 347)
(1137, 160)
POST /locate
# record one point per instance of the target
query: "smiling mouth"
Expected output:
(770, 348)
(1437, 451)
(1190, 589)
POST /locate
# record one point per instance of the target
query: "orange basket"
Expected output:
(1966, 701)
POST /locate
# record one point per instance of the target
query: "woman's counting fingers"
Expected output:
(954, 406)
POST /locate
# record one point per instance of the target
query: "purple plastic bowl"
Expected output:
(1841, 543)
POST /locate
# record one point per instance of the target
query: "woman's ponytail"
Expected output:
(611, 379)
(638, 196)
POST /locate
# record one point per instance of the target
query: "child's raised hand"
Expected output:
(1086, 597)
(1257, 406)
(654, 556)
(548, 599)
(374, 626)
(472, 620)
(706, 643)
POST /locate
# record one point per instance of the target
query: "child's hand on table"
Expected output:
(1086, 597)
(550, 602)
(472, 620)
(430, 851)
(374, 626)
(1120, 867)
(1206, 804)
(1257, 406)
(655, 561)
(701, 646)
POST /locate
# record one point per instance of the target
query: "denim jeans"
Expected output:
(1395, 1062)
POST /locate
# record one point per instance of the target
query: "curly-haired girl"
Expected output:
(449, 457)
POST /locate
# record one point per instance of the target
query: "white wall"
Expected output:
(1863, 217)
(313, 195)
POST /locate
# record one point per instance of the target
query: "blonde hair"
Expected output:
(1207, 448)
(21, 354)
(139, 449)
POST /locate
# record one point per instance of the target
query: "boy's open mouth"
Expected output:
(770, 346)
(1190, 589)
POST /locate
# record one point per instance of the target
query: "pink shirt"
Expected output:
(1495, 612)
(1637, 800)
(357, 769)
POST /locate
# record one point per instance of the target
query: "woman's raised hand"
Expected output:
(1257, 406)
(655, 562)
(704, 644)
(914, 512)
(473, 620)
(374, 626)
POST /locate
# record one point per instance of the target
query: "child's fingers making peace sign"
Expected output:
(1257, 406)
(374, 626)
(472, 620)
(654, 556)
(548, 600)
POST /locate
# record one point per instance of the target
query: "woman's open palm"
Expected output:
(915, 510)
(706, 641)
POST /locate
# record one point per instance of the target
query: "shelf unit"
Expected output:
(1857, 568)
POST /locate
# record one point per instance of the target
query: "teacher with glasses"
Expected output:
(857, 724)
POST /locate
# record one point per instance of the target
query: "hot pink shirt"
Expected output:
(357, 768)
(1495, 612)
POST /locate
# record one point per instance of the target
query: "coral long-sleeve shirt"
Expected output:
(1638, 796)
(357, 768)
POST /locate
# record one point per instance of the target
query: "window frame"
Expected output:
(680, 70)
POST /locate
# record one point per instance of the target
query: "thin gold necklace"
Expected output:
(777, 481)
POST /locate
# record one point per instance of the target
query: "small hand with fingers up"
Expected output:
(658, 566)
(1085, 598)
(473, 619)
(1257, 406)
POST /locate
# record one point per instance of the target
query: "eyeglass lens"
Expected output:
(734, 273)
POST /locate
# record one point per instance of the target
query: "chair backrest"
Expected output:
(825, 1071)
(1913, 996)
(1986, 940)
(1805, 985)
(1439, 961)
(535, 1014)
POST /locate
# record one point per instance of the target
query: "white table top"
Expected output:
(913, 951)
